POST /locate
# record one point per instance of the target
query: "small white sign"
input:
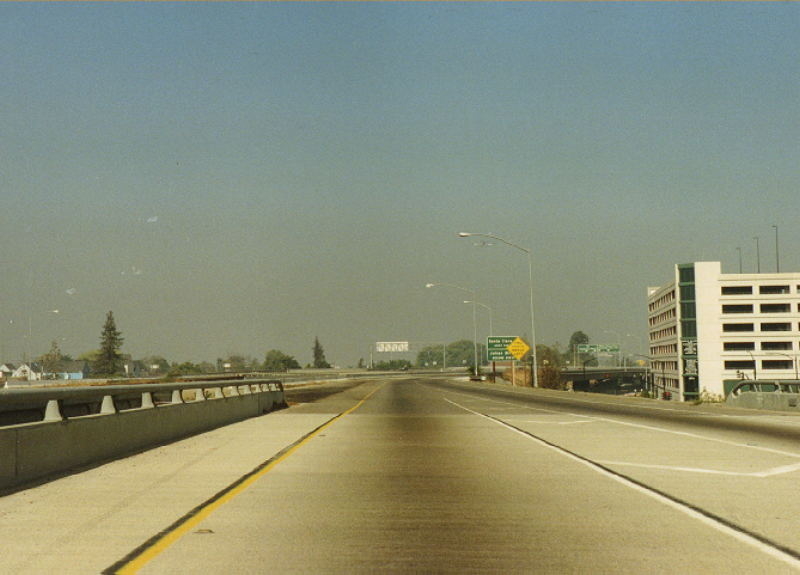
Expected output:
(391, 346)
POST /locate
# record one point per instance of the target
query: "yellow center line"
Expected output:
(167, 538)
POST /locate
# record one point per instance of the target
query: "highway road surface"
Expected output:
(431, 476)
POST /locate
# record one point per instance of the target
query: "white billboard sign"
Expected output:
(391, 346)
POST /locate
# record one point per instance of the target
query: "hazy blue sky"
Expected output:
(231, 178)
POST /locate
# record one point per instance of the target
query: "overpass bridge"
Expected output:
(424, 474)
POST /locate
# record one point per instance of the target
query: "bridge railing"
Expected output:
(759, 394)
(47, 404)
(49, 431)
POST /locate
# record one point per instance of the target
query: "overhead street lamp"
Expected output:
(535, 377)
(474, 318)
(794, 361)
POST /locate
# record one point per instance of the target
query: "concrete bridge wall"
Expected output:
(58, 444)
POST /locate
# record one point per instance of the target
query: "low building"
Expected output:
(709, 330)
(28, 371)
(7, 370)
(70, 370)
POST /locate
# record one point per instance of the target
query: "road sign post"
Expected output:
(506, 348)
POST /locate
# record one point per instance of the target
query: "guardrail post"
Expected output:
(53, 412)
(147, 400)
(176, 396)
(107, 407)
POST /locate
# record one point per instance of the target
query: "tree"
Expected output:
(576, 339)
(393, 365)
(549, 359)
(109, 359)
(572, 355)
(319, 356)
(185, 368)
(432, 356)
(53, 358)
(238, 363)
(155, 364)
(276, 360)
(462, 353)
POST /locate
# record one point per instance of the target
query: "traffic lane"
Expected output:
(782, 428)
(740, 478)
(304, 393)
(409, 482)
(84, 522)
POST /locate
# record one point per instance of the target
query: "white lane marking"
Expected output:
(768, 473)
(653, 428)
(704, 438)
(763, 546)
(555, 422)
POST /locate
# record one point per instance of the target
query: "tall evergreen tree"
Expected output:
(109, 359)
(319, 356)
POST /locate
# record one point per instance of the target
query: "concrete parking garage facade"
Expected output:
(708, 331)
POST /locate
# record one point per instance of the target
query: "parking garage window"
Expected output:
(737, 308)
(738, 345)
(776, 326)
(737, 290)
(773, 290)
(729, 327)
(776, 364)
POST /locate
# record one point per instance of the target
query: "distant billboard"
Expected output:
(391, 346)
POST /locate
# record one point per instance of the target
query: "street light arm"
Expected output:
(438, 284)
(529, 253)
(494, 237)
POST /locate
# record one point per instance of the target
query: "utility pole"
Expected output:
(758, 256)
(777, 256)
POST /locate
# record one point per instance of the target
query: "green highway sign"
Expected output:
(505, 348)
(497, 347)
(597, 348)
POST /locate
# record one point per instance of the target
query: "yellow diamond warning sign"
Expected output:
(518, 348)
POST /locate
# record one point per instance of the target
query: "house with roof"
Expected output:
(6, 370)
(30, 371)
(76, 369)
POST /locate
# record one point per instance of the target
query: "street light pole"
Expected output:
(535, 378)
(474, 319)
(758, 256)
(777, 256)
(483, 305)
(647, 369)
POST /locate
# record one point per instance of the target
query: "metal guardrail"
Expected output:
(44, 404)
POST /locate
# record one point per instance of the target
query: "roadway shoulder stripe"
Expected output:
(159, 543)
